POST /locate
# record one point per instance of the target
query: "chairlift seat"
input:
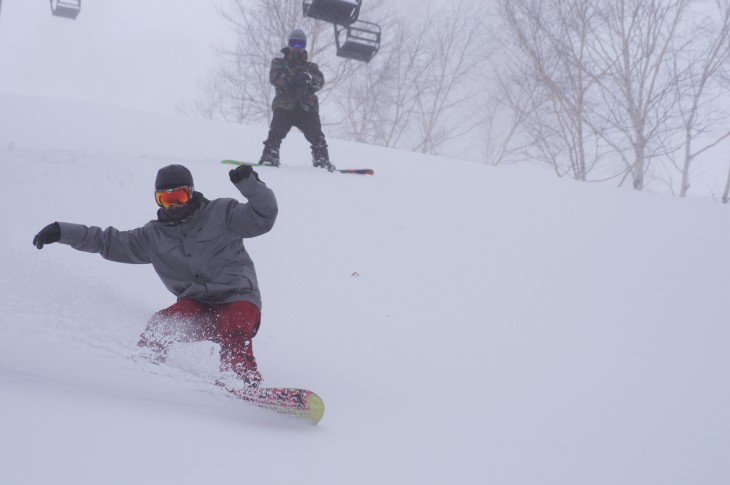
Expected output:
(66, 8)
(340, 12)
(360, 41)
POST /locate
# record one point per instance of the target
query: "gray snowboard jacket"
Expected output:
(202, 257)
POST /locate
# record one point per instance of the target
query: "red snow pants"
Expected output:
(231, 325)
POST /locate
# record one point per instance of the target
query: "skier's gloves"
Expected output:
(241, 172)
(303, 79)
(49, 234)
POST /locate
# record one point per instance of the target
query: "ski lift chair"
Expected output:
(66, 8)
(341, 12)
(359, 41)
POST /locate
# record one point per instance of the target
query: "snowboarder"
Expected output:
(296, 81)
(196, 248)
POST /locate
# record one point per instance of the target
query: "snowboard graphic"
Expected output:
(299, 403)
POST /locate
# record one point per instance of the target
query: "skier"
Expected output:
(196, 248)
(296, 81)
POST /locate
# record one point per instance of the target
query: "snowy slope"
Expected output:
(463, 324)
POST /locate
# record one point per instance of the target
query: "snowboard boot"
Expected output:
(232, 379)
(237, 358)
(321, 158)
(270, 156)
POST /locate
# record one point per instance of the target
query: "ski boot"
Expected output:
(270, 156)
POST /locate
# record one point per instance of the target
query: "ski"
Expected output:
(359, 171)
(299, 403)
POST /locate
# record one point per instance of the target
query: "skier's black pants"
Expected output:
(307, 121)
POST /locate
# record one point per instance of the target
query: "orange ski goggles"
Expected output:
(176, 196)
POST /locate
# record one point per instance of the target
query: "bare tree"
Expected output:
(700, 87)
(210, 100)
(629, 80)
(458, 48)
(726, 192)
(379, 104)
(548, 87)
(503, 117)
(419, 91)
(631, 59)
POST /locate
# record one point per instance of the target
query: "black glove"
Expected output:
(303, 79)
(241, 172)
(49, 234)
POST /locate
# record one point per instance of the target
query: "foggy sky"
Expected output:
(133, 53)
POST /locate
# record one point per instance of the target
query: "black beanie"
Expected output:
(173, 176)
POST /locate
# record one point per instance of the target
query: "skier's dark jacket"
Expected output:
(290, 94)
(202, 257)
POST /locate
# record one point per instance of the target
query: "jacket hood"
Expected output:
(289, 54)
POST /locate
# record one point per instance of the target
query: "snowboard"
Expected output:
(359, 171)
(299, 403)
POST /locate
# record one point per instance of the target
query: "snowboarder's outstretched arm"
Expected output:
(258, 215)
(112, 244)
